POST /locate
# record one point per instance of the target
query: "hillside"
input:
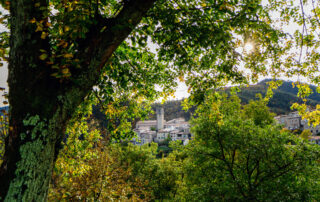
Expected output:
(172, 110)
(283, 97)
(280, 103)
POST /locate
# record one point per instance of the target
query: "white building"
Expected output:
(162, 135)
(315, 130)
(146, 125)
(292, 121)
(159, 130)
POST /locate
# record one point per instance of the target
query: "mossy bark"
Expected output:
(30, 146)
(41, 105)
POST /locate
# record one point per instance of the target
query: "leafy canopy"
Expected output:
(196, 41)
(237, 156)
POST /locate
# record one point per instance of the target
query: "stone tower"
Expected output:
(160, 118)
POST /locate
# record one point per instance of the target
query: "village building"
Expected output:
(293, 121)
(145, 136)
(146, 125)
(315, 130)
(315, 139)
(159, 130)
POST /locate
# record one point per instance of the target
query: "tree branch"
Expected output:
(101, 41)
(104, 43)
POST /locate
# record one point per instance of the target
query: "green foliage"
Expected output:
(283, 97)
(191, 37)
(198, 43)
(4, 126)
(117, 117)
(238, 156)
(305, 134)
(160, 175)
(88, 169)
(113, 172)
(259, 113)
(164, 149)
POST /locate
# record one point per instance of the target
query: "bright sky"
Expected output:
(3, 81)
(3, 71)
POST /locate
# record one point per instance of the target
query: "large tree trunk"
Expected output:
(34, 128)
(41, 105)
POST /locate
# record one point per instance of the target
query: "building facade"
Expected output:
(159, 130)
(293, 121)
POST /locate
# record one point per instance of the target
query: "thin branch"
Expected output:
(228, 165)
(258, 172)
(315, 14)
(303, 29)
(100, 101)
(248, 171)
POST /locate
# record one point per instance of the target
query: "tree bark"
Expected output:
(41, 105)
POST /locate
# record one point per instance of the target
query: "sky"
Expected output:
(3, 70)
(3, 81)
(3, 76)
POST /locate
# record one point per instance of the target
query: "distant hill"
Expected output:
(280, 103)
(172, 110)
(283, 97)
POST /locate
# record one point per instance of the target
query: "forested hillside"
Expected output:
(172, 110)
(280, 103)
(283, 97)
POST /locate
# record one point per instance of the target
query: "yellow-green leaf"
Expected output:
(43, 35)
(33, 20)
(65, 71)
(43, 56)
(68, 55)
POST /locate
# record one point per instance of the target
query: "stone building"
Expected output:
(160, 129)
(315, 130)
(160, 118)
(315, 139)
(292, 121)
(146, 125)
